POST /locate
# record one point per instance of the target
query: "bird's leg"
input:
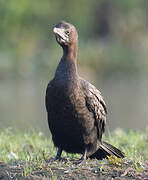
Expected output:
(82, 159)
(59, 152)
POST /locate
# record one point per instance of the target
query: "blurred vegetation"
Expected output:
(113, 43)
(113, 36)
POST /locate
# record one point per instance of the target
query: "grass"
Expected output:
(28, 152)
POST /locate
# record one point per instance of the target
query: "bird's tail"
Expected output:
(105, 150)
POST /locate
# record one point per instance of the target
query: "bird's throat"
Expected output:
(70, 53)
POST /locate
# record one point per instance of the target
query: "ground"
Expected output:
(28, 156)
(90, 170)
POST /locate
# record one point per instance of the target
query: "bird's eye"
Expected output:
(67, 32)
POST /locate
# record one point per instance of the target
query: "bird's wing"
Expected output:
(95, 103)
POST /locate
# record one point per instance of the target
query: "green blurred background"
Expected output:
(113, 51)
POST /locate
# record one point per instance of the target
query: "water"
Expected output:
(127, 103)
(22, 104)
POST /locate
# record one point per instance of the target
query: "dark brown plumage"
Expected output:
(76, 110)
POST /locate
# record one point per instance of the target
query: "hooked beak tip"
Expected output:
(55, 30)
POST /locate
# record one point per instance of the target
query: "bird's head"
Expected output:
(66, 34)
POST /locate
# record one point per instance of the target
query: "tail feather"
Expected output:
(106, 150)
(113, 149)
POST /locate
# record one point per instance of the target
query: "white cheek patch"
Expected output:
(64, 40)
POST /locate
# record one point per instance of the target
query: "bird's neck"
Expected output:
(70, 53)
(67, 68)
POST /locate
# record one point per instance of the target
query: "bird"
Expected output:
(76, 110)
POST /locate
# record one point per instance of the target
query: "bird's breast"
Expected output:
(67, 108)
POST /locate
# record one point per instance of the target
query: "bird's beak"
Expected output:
(58, 30)
(61, 33)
